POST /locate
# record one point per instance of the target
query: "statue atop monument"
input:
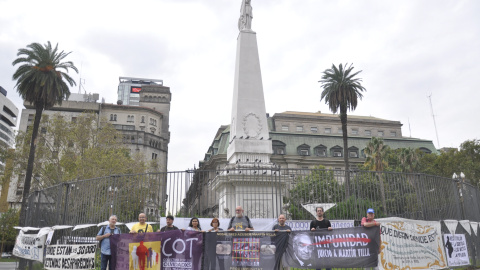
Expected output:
(245, 20)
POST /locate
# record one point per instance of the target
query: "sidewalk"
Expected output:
(8, 265)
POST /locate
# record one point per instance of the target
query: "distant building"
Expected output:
(144, 127)
(302, 140)
(8, 119)
(129, 89)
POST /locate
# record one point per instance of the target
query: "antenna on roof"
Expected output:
(409, 128)
(433, 116)
(81, 81)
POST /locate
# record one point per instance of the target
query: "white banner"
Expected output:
(59, 257)
(411, 244)
(259, 224)
(456, 249)
(29, 246)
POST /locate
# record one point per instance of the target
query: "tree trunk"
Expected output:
(343, 119)
(31, 159)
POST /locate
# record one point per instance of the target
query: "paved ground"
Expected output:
(8, 265)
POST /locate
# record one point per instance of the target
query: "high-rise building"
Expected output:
(8, 119)
(129, 89)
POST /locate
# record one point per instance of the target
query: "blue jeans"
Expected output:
(105, 260)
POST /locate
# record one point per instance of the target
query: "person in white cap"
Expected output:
(369, 221)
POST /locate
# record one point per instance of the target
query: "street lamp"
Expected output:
(460, 179)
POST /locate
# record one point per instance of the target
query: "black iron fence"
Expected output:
(262, 193)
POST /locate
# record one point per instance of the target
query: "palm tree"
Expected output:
(376, 152)
(41, 80)
(409, 160)
(341, 91)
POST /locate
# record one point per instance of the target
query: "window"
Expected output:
(393, 134)
(303, 150)
(299, 128)
(328, 130)
(336, 151)
(320, 151)
(354, 131)
(43, 130)
(114, 117)
(111, 117)
(278, 147)
(154, 156)
(353, 152)
(380, 133)
(368, 133)
(339, 130)
(143, 119)
(338, 171)
(314, 129)
(284, 128)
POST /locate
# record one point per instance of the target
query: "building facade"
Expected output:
(305, 140)
(129, 89)
(144, 129)
(8, 119)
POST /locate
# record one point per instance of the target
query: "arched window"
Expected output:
(143, 119)
(320, 151)
(278, 148)
(303, 150)
(114, 117)
(336, 151)
(353, 152)
(111, 117)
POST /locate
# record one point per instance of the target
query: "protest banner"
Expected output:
(59, 257)
(411, 244)
(154, 251)
(244, 250)
(260, 224)
(456, 249)
(345, 247)
(29, 246)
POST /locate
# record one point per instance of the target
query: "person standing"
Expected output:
(239, 221)
(215, 225)
(320, 222)
(169, 226)
(103, 236)
(194, 225)
(368, 222)
(281, 226)
(142, 226)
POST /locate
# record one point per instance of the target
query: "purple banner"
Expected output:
(154, 251)
(349, 248)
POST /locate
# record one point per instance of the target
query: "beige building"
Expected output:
(145, 128)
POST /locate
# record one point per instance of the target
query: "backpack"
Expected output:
(249, 224)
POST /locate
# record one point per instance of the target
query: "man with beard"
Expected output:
(239, 221)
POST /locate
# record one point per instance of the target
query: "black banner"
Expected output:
(244, 250)
(349, 247)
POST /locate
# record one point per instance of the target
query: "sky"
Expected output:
(407, 51)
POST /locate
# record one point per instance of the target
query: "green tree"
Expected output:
(341, 91)
(320, 186)
(43, 81)
(409, 160)
(8, 234)
(84, 149)
(376, 152)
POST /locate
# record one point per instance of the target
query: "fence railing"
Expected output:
(262, 193)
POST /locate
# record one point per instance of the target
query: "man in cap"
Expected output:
(369, 221)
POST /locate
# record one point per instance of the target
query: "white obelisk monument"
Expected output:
(249, 137)
(249, 179)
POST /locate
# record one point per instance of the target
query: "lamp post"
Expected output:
(460, 179)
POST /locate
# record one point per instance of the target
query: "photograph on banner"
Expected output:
(346, 247)
(29, 246)
(59, 257)
(456, 249)
(411, 244)
(242, 250)
(175, 249)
